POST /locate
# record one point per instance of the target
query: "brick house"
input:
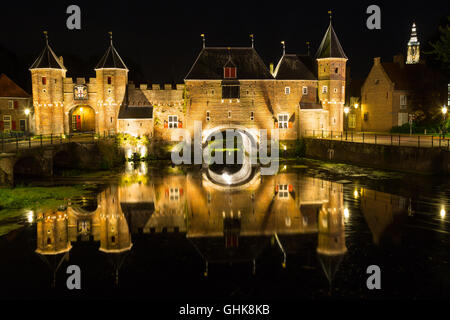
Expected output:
(15, 107)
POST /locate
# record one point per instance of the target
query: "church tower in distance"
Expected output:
(331, 64)
(413, 55)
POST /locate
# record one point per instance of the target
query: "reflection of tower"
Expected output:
(53, 243)
(112, 78)
(331, 238)
(47, 74)
(232, 229)
(413, 55)
(331, 63)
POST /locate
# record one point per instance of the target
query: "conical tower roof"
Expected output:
(47, 59)
(330, 46)
(111, 59)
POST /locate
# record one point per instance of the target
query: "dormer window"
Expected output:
(229, 72)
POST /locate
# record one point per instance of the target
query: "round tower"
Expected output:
(112, 79)
(47, 76)
(331, 64)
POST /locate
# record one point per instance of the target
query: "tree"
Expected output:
(441, 48)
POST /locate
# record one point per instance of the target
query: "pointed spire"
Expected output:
(307, 45)
(111, 59)
(284, 47)
(253, 40)
(47, 59)
(203, 39)
(413, 40)
(330, 46)
(331, 14)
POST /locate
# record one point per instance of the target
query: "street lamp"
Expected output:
(27, 113)
(444, 112)
(346, 110)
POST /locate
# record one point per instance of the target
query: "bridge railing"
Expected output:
(420, 141)
(14, 144)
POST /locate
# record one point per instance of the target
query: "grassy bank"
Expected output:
(32, 197)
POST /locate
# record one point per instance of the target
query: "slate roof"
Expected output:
(330, 46)
(211, 61)
(295, 67)
(135, 106)
(408, 76)
(47, 59)
(9, 88)
(111, 59)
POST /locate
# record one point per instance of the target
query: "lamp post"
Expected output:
(444, 112)
(27, 113)
(346, 110)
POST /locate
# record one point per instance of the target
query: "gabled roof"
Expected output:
(330, 46)
(47, 59)
(9, 88)
(210, 62)
(111, 59)
(135, 107)
(409, 76)
(295, 67)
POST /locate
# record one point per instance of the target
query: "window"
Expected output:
(173, 122)
(287, 90)
(230, 92)
(352, 120)
(7, 123)
(22, 125)
(229, 114)
(305, 91)
(207, 116)
(377, 81)
(336, 70)
(212, 92)
(402, 100)
(109, 80)
(174, 194)
(366, 116)
(11, 104)
(283, 191)
(252, 116)
(324, 89)
(44, 80)
(283, 121)
(229, 72)
(402, 118)
(335, 90)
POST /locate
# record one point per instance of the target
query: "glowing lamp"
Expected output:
(27, 111)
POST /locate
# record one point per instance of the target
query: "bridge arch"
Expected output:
(27, 166)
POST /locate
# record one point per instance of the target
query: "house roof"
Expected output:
(47, 59)
(211, 61)
(330, 46)
(295, 67)
(408, 76)
(111, 59)
(135, 106)
(9, 88)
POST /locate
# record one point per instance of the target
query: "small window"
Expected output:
(283, 121)
(109, 80)
(403, 100)
(305, 91)
(377, 81)
(109, 90)
(10, 104)
(212, 92)
(111, 119)
(287, 90)
(229, 114)
(207, 116)
(283, 191)
(174, 194)
(44, 80)
(56, 81)
(252, 116)
(366, 116)
(324, 89)
(336, 70)
(229, 72)
(335, 90)
(173, 122)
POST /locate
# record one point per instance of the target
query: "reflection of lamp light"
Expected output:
(227, 178)
(355, 193)
(356, 106)
(444, 110)
(442, 212)
(346, 110)
(30, 216)
(346, 213)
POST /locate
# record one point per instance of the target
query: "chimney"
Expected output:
(376, 60)
(271, 68)
(399, 59)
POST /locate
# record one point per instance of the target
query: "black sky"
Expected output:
(159, 40)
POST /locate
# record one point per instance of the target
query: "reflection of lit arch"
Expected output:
(253, 180)
(82, 118)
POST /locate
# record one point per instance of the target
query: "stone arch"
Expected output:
(27, 166)
(82, 118)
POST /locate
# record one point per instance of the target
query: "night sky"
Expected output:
(159, 40)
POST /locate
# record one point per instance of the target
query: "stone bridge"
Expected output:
(42, 161)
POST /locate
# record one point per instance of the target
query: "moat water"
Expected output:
(173, 233)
